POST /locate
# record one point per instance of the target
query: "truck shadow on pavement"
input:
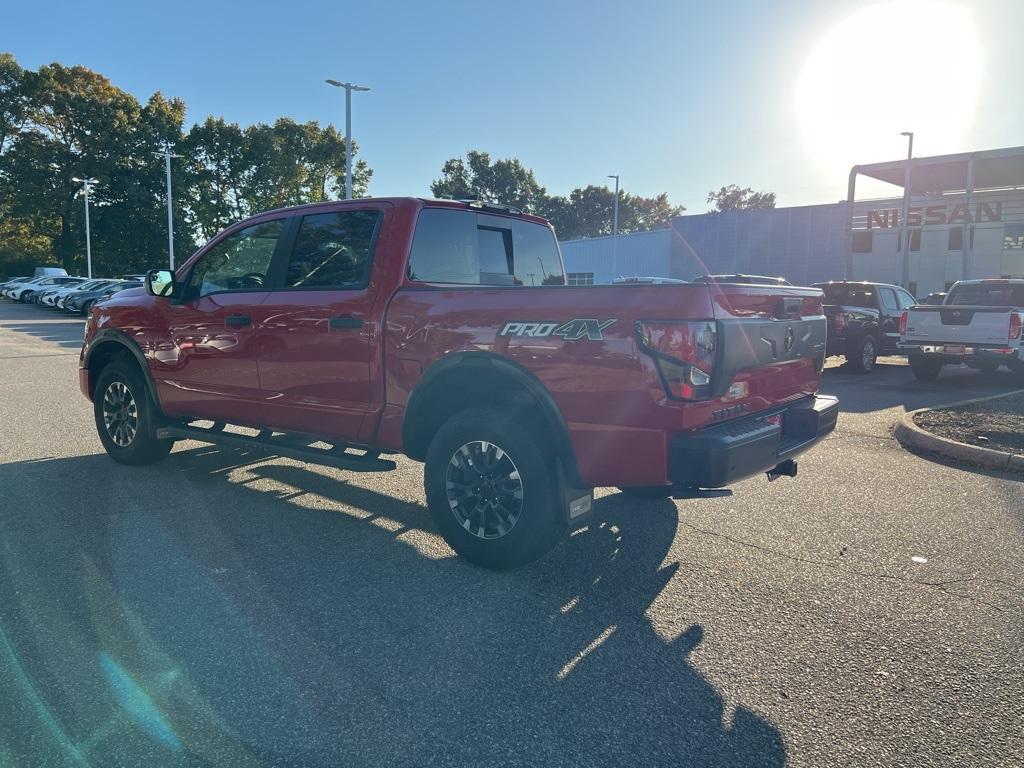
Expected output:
(218, 608)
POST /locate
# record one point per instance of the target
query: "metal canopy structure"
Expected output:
(966, 172)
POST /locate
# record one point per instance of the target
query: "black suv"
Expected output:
(863, 320)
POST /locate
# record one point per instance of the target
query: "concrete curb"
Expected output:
(909, 435)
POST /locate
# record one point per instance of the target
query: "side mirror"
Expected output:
(160, 282)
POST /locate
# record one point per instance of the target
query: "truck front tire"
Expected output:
(492, 489)
(126, 416)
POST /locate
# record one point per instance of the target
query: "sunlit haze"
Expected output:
(887, 69)
(676, 97)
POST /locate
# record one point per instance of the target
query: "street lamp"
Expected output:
(87, 184)
(349, 87)
(910, 142)
(904, 212)
(167, 155)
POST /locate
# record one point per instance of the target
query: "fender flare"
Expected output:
(522, 376)
(107, 335)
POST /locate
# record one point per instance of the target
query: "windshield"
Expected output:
(988, 295)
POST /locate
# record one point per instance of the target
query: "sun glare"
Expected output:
(904, 65)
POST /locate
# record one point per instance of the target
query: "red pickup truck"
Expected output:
(343, 332)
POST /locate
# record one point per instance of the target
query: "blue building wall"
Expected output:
(804, 244)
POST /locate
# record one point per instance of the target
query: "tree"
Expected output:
(503, 181)
(63, 122)
(590, 212)
(235, 172)
(585, 212)
(733, 198)
(14, 98)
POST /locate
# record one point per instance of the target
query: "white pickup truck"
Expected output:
(979, 324)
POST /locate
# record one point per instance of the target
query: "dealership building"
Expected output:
(952, 217)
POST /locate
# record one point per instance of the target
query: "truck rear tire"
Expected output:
(493, 489)
(862, 358)
(925, 369)
(126, 416)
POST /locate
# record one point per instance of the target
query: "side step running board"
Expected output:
(282, 445)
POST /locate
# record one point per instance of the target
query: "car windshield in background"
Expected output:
(988, 295)
(849, 295)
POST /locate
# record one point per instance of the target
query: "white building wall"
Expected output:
(935, 266)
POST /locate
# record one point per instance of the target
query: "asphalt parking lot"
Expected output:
(225, 608)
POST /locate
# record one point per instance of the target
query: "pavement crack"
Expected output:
(941, 585)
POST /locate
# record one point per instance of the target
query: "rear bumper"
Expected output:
(975, 353)
(720, 455)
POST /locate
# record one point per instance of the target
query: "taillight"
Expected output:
(903, 323)
(841, 318)
(684, 354)
(1015, 325)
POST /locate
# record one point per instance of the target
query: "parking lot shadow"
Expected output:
(66, 333)
(894, 386)
(216, 610)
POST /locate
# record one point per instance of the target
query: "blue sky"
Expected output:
(676, 97)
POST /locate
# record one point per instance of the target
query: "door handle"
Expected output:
(237, 320)
(346, 321)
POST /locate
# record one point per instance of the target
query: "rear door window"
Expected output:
(888, 297)
(333, 250)
(469, 248)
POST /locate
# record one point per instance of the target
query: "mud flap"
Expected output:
(577, 503)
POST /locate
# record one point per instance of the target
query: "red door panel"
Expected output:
(208, 368)
(314, 360)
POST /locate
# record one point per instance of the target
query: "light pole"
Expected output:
(615, 227)
(904, 212)
(87, 184)
(910, 142)
(349, 87)
(166, 154)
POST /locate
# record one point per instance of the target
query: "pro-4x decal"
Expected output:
(573, 330)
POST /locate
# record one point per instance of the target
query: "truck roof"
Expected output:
(497, 209)
(858, 282)
(1008, 280)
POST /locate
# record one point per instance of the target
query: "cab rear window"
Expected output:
(849, 295)
(469, 248)
(988, 295)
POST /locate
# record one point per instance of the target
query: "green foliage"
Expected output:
(64, 122)
(585, 212)
(505, 181)
(733, 198)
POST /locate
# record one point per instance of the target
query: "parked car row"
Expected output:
(977, 323)
(71, 294)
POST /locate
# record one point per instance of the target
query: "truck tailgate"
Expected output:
(958, 325)
(768, 331)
